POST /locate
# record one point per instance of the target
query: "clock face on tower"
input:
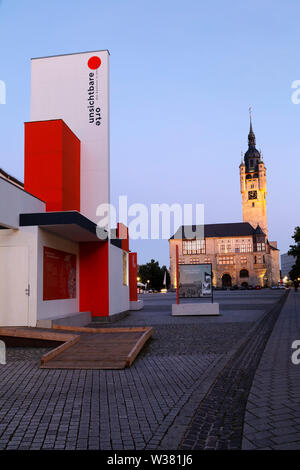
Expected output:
(252, 194)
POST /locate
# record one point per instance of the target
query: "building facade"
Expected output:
(287, 262)
(240, 253)
(54, 265)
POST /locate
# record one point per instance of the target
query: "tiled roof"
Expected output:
(238, 229)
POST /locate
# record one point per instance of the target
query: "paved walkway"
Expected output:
(217, 423)
(148, 406)
(62, 409)
(272, 419)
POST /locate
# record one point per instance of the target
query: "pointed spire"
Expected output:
(261, 154)
(251, 135)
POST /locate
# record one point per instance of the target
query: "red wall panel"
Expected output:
(133, 296)
(123, 234)
(59, 275)
(94, 278)
(71, 170)
(52, 164)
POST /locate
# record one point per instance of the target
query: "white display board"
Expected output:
(75, 88)
(195, 280)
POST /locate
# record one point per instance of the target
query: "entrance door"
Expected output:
(226, 280)
(13, 286)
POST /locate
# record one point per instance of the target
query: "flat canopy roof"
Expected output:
(69, 224)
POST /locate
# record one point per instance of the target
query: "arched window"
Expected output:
(226, 280)
(244, 273)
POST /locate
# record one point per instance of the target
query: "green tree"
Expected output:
(295, 251)
(153, 273)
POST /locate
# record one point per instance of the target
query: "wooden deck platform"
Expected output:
(82, 348)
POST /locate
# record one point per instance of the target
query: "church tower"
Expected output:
(253, 185)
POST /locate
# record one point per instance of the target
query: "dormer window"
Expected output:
(261, 247)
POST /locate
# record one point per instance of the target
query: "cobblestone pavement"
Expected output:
(218, 421)
(272, 418)
(147, 406)
(94, 409)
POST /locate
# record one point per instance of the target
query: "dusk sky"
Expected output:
(183, 75)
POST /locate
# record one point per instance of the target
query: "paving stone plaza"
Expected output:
(223, 382)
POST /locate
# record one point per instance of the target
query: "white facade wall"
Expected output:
(118, 293)
(26, 237)
(14, 201)
(35, 239)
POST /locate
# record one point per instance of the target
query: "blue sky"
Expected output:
(182, 77)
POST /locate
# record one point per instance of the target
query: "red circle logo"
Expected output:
(94, 62)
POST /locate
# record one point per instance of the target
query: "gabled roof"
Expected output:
(272, 247)
(258, 230)
(239, 229)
